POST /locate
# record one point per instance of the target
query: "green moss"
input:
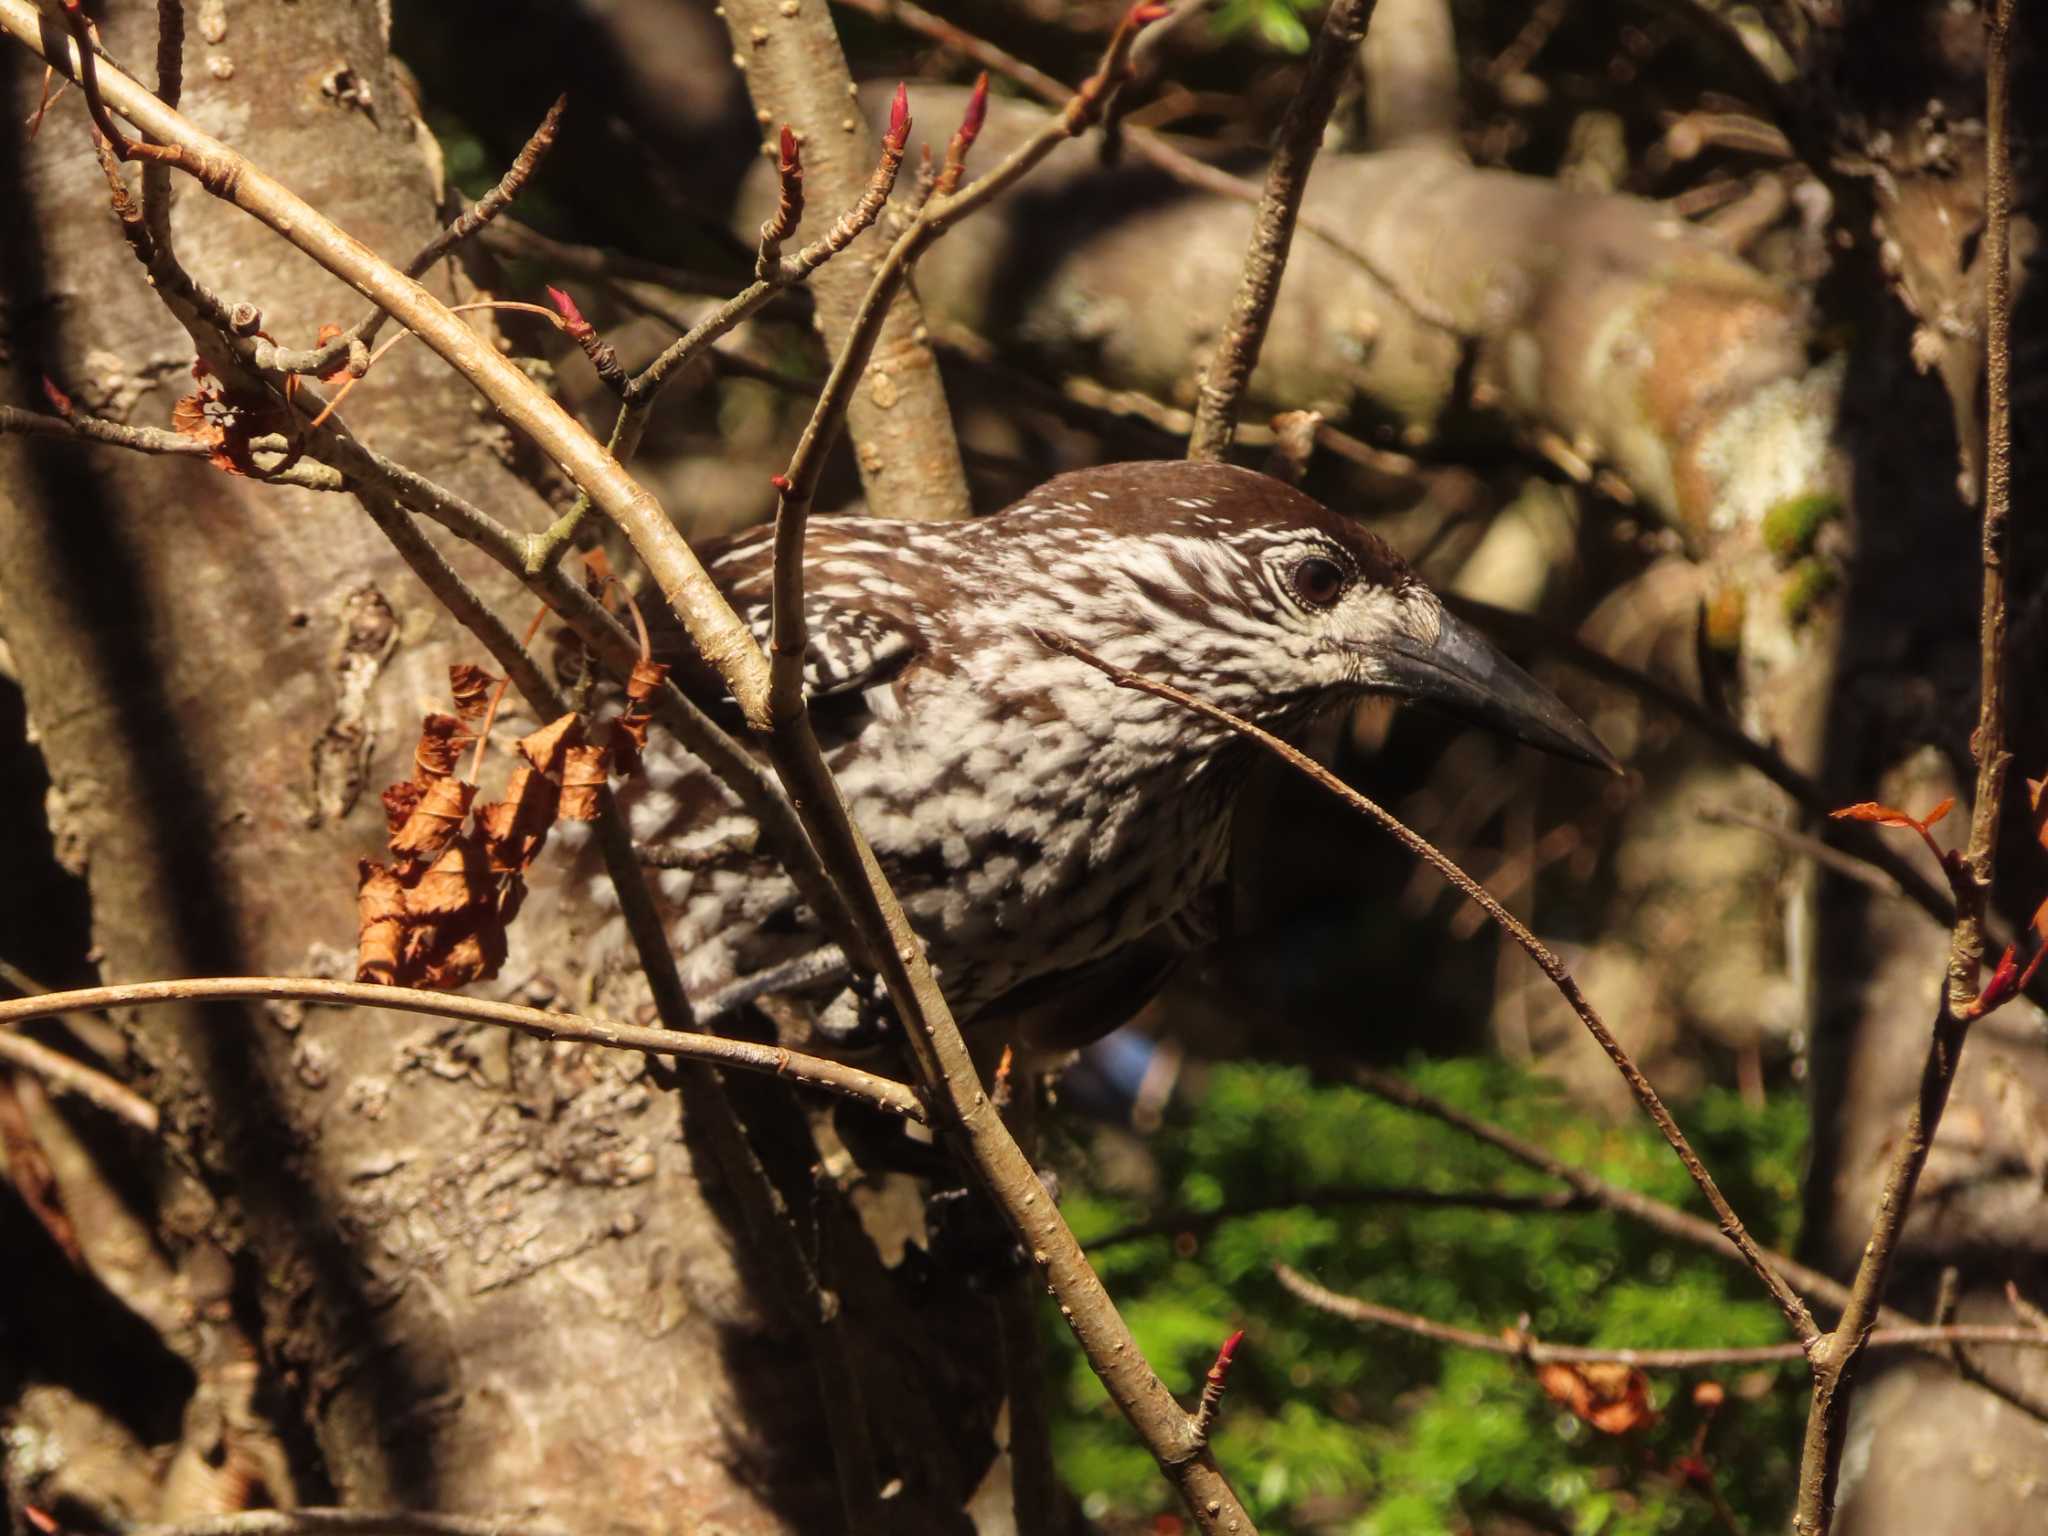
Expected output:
(1811, 581)
(1792, 525)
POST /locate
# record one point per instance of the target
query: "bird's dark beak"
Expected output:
(1463, 672)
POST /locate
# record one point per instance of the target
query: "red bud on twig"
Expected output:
(963, 139)
(791, 163)
(1212, 1388)
(2004, 982)
(59, 401)
(899, 121)
(977, 110)
(572, 317)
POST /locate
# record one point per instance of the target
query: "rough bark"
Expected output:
(902, 432)
(1898, 95)
(486, 1275)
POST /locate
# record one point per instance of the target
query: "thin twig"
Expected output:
(1590, 1187)
(114, 434)
(812, 1071)
(1213, 1384)
(1155, 148)
(351, 1522)
(362, 335)
(776, 274)
(1300, 135)
(721, 637)
(1795, 1310)
(69, 1075)
(1961, 1002)
(1718, 731)
(1521, 1346)
(1848, 865)
(944, 1064)
(1173, 1223)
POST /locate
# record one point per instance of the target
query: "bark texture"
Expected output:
(901, 430)
(484, 1273)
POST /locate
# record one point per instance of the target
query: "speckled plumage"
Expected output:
(1035, 819)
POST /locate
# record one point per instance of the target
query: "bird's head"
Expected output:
(1267, 603)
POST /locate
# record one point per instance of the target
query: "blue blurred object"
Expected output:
(1126, 1077)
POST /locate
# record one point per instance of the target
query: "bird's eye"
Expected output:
(1317, 582)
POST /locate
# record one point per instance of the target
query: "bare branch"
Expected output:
(1265, 260)
(352, 1522)
(68, 1075)
(720, 636)
(1594, 1190)
(944, 1063)
(813, 1071)
(1795, 1310)
(1961, 1001)
(1155, 149)
(1522, 1346)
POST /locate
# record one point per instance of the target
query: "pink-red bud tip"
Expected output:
(1145, 15)
(568, 309)
(780, 482)
(792, 158)
(899, 120)
(59, 401)
(1223, 1355)
(977, 111)
(2004, 982)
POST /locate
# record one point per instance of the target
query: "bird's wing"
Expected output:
(859, 636)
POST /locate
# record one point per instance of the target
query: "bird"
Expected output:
(1057, 841)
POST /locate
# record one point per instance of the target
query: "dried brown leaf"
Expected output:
(647, 676)
(474, 954)
(458, 881)
(628, 741)
(583, 780)
(399, 801)
(544, 748)
(1613, 1398)
(515, 827)
(435, 820)
(380, 923)
(443, 739)
(471, 685)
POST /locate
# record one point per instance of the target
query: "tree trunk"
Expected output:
(483, 1269)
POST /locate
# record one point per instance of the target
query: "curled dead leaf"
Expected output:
(399, 802)
(583, 780)
(647, 676)
(380, 923)
(1614, 1399)
(544, 748)
(435, 820)
(515, 827)
(443, 739)
(471, 685)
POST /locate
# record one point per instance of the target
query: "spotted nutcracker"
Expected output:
(1053, 836)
